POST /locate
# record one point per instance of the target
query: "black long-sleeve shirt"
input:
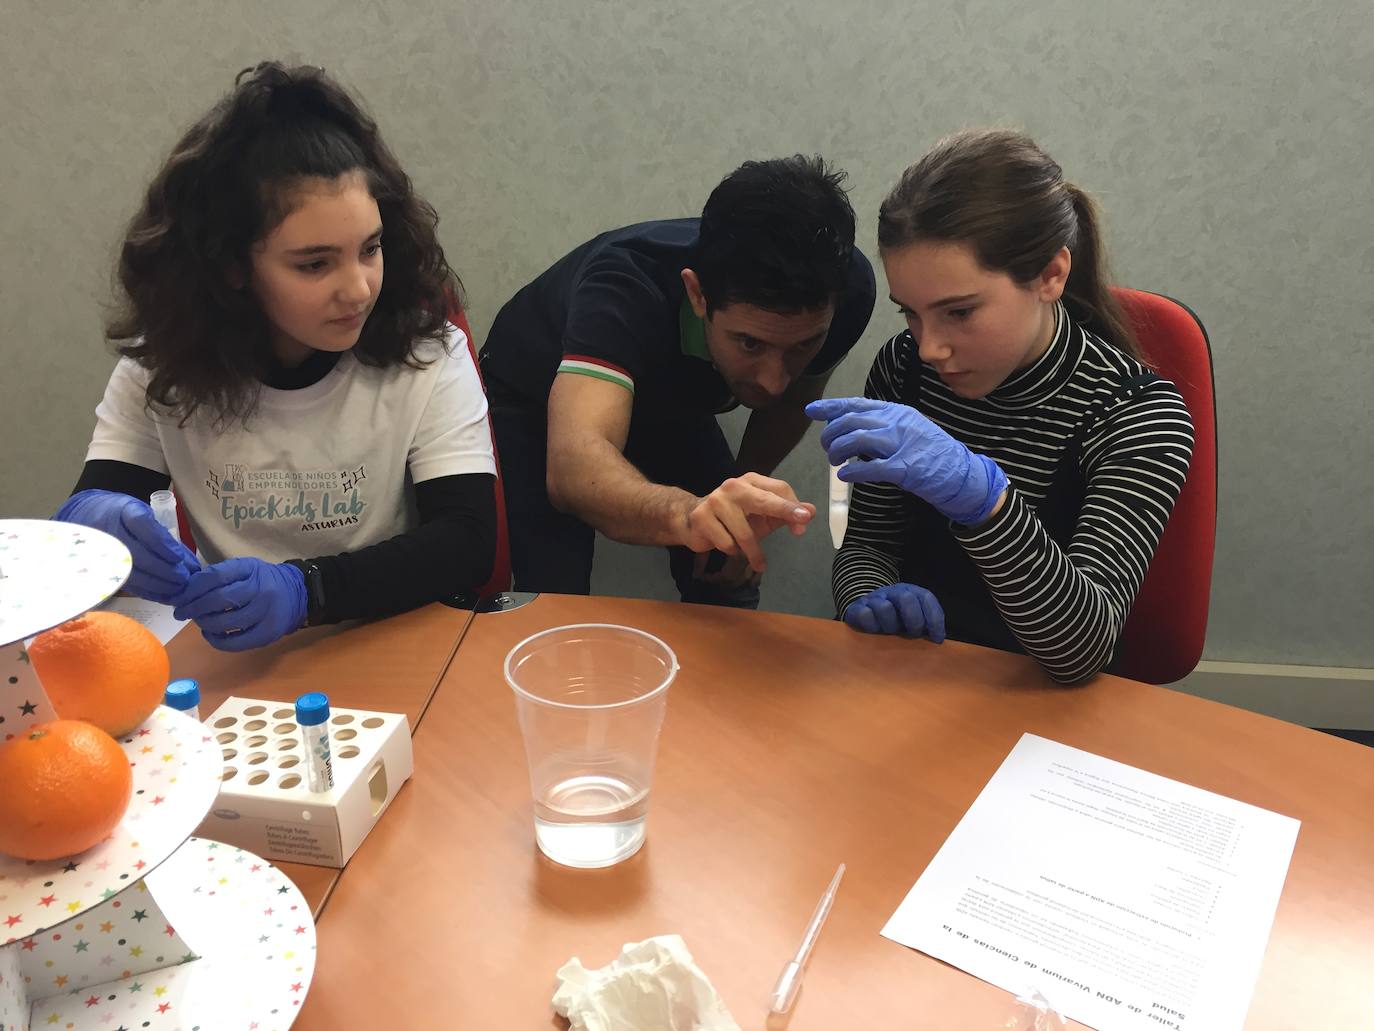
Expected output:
(450, 551)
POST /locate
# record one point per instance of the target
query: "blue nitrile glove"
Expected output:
(162, 564)
(244, 603)
(898, 609)
(900, 445)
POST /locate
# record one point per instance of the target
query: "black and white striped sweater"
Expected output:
(1065, 606)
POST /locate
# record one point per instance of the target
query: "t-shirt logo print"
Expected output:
(319, 499)
(234, 477)
(350, 479)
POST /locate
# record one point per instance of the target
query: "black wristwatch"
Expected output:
(314, 590)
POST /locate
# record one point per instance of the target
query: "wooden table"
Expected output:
(792, 744)
(391, 665)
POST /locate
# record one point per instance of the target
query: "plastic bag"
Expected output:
(1034, 1013)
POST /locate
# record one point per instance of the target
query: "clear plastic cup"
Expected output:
(590, 699)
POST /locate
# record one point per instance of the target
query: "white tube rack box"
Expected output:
(265, 804)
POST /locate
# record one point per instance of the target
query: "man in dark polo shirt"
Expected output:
(605, 376)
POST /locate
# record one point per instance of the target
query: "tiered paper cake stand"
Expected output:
(152, 928)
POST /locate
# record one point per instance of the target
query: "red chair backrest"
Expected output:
(1164, 633)
(184, 529)
(500, 572)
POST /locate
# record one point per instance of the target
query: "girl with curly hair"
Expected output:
(300, 402)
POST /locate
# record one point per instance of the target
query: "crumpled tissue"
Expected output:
(653, 985)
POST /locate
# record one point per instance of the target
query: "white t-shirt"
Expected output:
(317, 470)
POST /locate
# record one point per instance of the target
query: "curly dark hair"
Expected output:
(230, 180)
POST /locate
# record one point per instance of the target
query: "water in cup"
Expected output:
(594, 819)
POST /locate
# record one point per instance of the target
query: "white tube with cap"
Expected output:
(164, 506)
(839, 506)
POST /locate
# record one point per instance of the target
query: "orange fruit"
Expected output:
(67, 785)
(103, 668)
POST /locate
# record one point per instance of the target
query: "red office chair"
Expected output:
(500, 572)
(1164, 633)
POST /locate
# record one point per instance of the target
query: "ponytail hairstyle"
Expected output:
(996, 190)
(183, 309)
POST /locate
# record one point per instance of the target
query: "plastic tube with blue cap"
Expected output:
(184, 696)
(312, 713)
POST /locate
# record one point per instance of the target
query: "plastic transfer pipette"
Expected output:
(789, 981)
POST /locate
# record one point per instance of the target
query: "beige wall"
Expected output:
(1229, 142)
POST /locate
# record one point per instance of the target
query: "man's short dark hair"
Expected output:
(776, 234)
